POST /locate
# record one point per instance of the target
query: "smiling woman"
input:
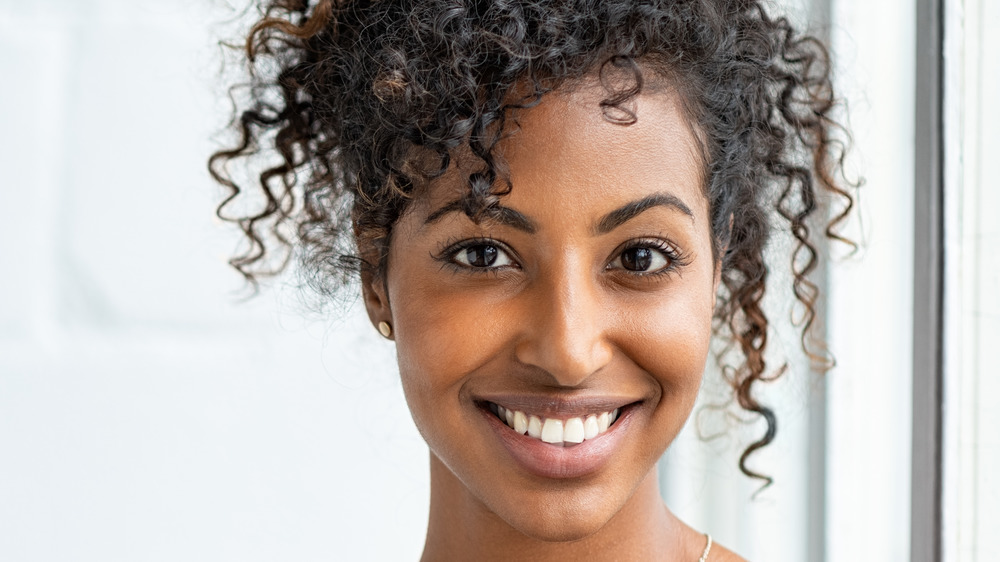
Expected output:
(587, 303)
(547, 204)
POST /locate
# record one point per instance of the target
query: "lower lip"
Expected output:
(556, 461)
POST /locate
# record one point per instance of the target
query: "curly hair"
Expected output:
(346, 93)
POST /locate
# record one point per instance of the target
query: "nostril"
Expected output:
(568, 363)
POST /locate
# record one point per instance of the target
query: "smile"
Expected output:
(554, 438)
(555, 431)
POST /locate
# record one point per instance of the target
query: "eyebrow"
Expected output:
(515, 219)
(503, 215)
(629, 211)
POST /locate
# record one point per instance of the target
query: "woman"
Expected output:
(547, 204)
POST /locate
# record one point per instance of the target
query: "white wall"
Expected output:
(871, 319)
(145, 414)
(972, 282)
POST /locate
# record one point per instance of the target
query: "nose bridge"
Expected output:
(565, 334)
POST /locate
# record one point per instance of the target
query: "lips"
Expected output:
(558, 439)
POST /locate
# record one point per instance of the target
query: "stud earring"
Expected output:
(385, 329)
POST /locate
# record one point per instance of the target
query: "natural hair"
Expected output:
(361, 102)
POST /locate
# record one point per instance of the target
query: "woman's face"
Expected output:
(590, 295)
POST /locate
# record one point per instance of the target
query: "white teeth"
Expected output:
(535, 427)
(520, 422)
(590, 428)
(557, 431)
(573, 432)
(603, 422)
(552, 431)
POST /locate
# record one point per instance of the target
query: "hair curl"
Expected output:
(347, 92)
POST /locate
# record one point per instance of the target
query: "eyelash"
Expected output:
(676, 258)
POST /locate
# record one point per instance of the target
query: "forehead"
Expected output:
(565, 154)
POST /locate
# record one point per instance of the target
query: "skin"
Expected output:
(561, 315)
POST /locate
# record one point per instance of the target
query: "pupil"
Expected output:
(637, 259)
(481, 256)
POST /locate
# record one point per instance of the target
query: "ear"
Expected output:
(373, 291)
(373, 286)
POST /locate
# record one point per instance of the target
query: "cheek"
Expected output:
(669, 336)
(442, 335)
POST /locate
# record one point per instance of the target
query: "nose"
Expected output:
(565, 331)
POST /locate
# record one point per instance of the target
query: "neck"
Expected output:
(461, 527)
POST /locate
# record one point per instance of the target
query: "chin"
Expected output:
(560, 517)
(560, 529)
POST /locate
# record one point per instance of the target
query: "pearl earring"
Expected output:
(385, 329)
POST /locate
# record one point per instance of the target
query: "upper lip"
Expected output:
(557, 406)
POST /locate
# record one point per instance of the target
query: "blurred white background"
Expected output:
(147, 414)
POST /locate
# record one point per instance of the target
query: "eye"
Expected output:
(642, 259)
(482, 255)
